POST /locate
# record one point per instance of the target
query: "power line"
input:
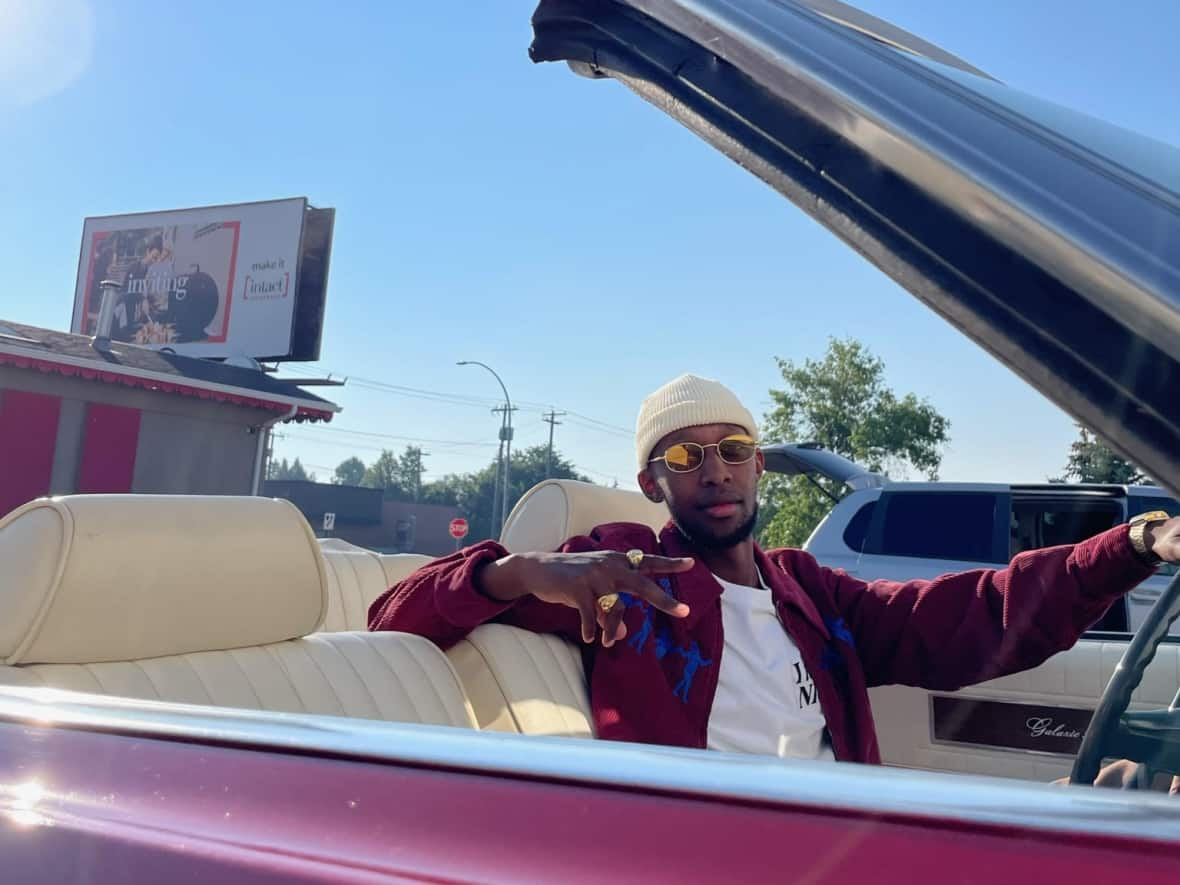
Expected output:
(414, 439)
(463, 399)
(344, 444)
(604, 424)
(599, 427)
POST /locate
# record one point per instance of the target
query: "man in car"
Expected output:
(705, 640)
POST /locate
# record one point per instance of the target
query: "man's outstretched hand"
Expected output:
(579, 580)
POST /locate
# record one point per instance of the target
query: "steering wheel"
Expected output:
(1151, 739)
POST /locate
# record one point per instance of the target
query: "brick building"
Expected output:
(361, 516)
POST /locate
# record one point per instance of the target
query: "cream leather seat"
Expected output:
(399, 566)
(205, 600)
(557, 509)
(526, 682)
(356, 577)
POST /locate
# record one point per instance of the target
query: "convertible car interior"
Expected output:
(188, 691)
(114, 599)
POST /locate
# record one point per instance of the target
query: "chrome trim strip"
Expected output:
(822, 786)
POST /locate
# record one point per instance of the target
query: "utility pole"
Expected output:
(550, 418)
(505, 442)
(496, 483)
(503, 469)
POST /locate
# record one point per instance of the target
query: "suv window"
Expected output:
(856, 533)
(1049, 522)
(1137, 504)
(938, 525)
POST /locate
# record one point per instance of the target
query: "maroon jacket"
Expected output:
(657, 685)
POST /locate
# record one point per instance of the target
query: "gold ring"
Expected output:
(635, 557)
(607, 602)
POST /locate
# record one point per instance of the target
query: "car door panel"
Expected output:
(1068, 681)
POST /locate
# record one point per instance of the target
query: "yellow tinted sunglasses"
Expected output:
(686, 457)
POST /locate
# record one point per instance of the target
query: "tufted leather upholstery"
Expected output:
(205, 600)
(399, 566)
(355, 579)
(357, 576)
(517, 681)
(523, 682)
(391, 676)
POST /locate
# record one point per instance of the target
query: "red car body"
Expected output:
(114, 791)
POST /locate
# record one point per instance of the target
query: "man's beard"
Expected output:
(708, 541)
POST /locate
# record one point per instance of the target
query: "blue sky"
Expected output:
(561, 230)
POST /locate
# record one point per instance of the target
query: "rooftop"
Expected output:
(63, 353)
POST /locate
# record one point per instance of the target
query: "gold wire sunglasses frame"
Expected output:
(686, 457)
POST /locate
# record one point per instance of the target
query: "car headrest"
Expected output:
(399, 566)
(93, 578)
(557, 509)
(339, 544)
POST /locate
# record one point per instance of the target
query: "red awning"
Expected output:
(182, 388)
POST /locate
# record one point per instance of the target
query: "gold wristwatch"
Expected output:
(1138, 537)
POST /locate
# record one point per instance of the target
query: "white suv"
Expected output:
(903, 530)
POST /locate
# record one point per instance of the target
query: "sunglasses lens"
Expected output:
(736, 449)
(683, 457)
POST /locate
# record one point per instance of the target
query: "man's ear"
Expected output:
(650, 489)
(759, 464)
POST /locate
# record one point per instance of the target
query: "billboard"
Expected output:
(217, 281)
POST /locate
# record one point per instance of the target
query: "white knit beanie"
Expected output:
(687, 401)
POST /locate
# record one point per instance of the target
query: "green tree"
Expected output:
(399, 476)
(842, 402)
(1091, 460)
(292, 471)
(473, 493)
(383, 474)
(349, 472)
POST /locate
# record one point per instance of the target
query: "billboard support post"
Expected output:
(106, 315)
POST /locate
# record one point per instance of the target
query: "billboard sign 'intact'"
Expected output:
(213, 282)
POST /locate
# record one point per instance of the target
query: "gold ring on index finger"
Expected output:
(607, 602)
(635, 557)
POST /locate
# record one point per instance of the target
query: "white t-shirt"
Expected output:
(766, 701)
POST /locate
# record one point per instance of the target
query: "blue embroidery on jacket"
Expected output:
(640, 638)
(831, 659)
(663, 642)
(839, 629)
(692, 662)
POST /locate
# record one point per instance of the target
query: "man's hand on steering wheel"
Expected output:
(1151, 737)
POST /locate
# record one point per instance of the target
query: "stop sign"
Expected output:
(458, 528)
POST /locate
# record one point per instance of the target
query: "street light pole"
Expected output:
(505, 440)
